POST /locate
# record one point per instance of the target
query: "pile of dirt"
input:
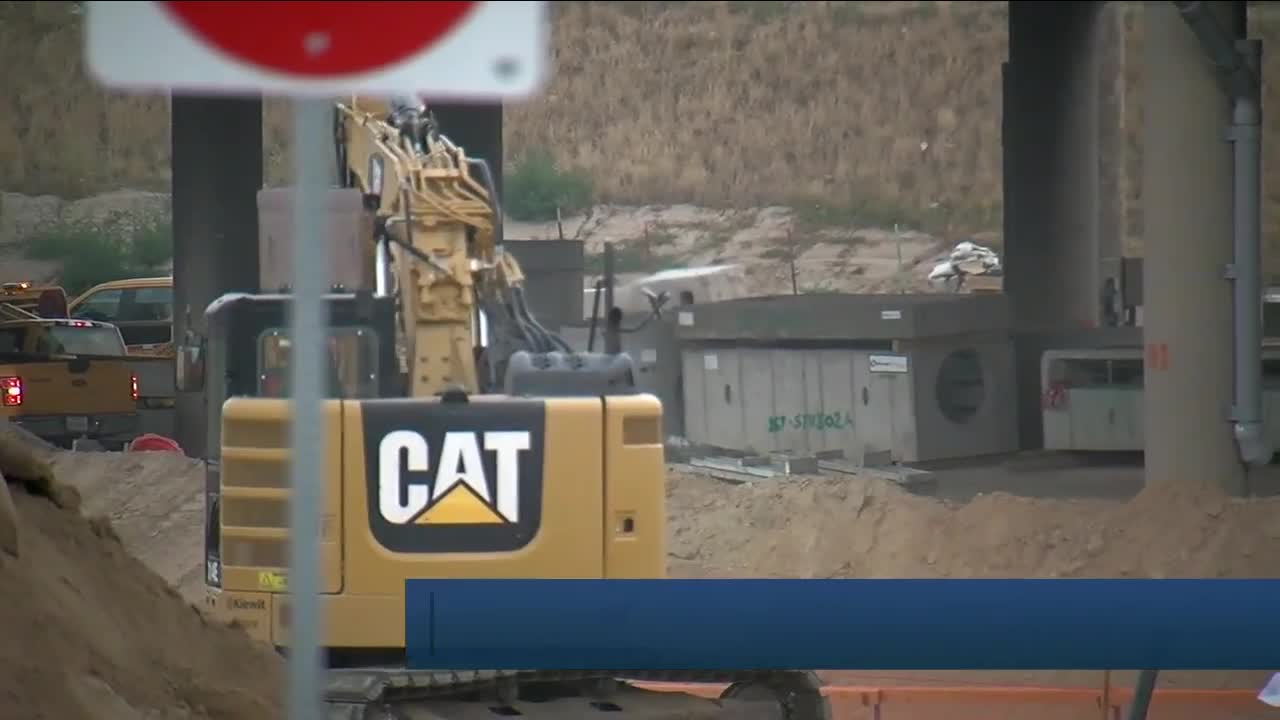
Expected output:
(98, 635)
(870, 528)
(798, 527)
(155, 502)
(93, 634)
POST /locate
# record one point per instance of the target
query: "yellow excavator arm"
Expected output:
(439, 247)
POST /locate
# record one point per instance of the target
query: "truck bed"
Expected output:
(61, 399)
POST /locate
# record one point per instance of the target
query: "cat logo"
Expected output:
(458, 493)
(445, 477)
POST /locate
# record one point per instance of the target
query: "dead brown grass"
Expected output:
(890, 105)
(718, 103)
(58, 133)
(891, 109)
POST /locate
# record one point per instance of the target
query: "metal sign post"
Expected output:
(308, 325)
(315, 51)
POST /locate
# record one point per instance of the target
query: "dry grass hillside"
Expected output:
(891, 110)
(881, 112)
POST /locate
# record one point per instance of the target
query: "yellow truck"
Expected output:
(142, 308)
(64, 380)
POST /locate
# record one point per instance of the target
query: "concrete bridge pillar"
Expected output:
(1051, 181)
(217, 172)
(1187, 209)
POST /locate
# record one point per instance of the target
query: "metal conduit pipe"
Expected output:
(1242, 61)
(1246, 139)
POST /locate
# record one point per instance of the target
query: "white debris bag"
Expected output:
(1271, 692)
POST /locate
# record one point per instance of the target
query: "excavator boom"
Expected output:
(438, 229)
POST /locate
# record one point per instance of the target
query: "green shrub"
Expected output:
(96, 252)
(538, 186)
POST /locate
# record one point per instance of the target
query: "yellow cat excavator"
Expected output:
(464, 440)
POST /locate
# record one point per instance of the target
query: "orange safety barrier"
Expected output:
(848, 701)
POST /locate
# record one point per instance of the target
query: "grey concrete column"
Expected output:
(1051, 178)
(1051, 140)
(217, 172)
(1186, 198)
(1112, 140)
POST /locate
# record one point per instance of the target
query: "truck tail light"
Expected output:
(133, 386)
(11, 387)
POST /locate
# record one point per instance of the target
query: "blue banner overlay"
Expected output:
(843, 624)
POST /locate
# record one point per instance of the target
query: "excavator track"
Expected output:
(400, 694)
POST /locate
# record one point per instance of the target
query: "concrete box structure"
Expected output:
(1093, 398)
(923, 377)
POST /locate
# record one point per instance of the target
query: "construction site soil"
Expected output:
(870, 528)
(90, 633)
(101, 620)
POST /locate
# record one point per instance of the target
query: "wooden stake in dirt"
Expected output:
(791, 258)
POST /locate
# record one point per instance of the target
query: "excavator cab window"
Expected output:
(352, 366)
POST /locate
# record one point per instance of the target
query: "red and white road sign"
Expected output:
(446, 49)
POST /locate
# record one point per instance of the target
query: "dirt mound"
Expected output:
(76, 596)
(100, 636)
(801, 527)
(869, 528)
(155, 502)
(818, 527)
(91, 633)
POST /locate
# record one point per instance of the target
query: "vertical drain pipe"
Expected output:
(1241, 61)
(1246, 139)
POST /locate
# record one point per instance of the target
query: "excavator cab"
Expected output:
(246, 354)
(248, 348)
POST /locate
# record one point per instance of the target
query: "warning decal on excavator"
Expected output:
(273, 581)
(446, 477)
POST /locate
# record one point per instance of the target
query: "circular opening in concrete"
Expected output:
(961, 387)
